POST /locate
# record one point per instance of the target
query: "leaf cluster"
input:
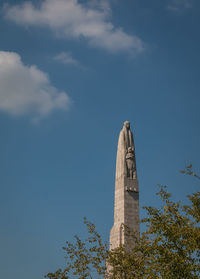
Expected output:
(84, 258)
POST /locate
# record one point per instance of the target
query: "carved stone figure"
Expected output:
(125, 165)
(130, 163)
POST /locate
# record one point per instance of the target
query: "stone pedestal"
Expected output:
(126, 210)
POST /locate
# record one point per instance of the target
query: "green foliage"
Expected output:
(168, 249)
(174, 237)
(188, 170)
(84, 259)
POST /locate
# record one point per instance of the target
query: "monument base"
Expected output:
(126, 210)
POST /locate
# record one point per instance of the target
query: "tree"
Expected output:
(84, 259)
(169, 248)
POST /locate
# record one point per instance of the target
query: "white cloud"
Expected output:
(71, 19)
(66, 58)
(26, 89)
(178, 5)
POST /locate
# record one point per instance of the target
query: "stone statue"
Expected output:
(126, 165)
(130, 163)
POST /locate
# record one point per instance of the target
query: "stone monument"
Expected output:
(126, 208)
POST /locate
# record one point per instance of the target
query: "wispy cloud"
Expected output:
(26, 89)
(72, 19)
(66, 58)
(179, 5)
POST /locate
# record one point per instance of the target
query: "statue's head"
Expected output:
(127, 124)
(130, 150)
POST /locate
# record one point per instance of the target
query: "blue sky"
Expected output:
(71, 72)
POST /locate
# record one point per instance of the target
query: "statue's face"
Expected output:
(130, 149)
(127, 124)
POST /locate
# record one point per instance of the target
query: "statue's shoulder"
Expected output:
(121, 133)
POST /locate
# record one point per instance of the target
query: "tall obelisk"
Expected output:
(126, 209)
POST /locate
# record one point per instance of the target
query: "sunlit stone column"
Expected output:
(126, 208)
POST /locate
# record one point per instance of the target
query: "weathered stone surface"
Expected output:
(126, 208)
